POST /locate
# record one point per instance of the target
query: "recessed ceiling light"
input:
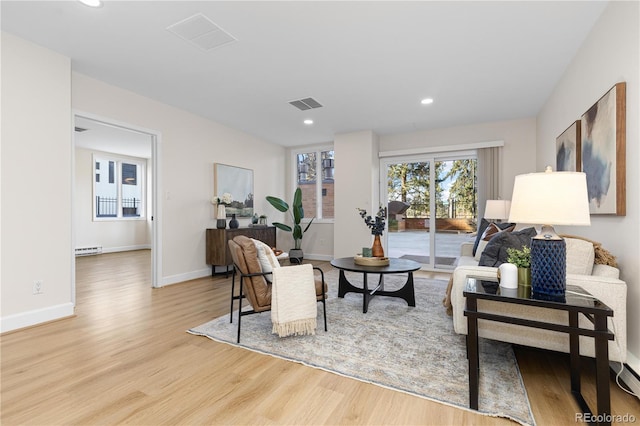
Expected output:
(92, 3)
(426, 101)
(308, 122)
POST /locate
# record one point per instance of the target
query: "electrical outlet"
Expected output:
(38, 287)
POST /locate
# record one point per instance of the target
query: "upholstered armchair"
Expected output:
(254, 265)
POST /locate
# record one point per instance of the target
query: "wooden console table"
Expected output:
(218, 253)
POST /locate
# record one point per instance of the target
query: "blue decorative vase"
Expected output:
(548, 269)
(233, 223)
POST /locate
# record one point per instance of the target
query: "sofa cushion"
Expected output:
(495, 253)
(466, 261)
(484, 223)
(580, 256)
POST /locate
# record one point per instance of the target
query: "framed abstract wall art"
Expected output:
(239, 183)
(568, 152)
(603, 131)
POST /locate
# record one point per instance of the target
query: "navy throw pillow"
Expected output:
(495, 253)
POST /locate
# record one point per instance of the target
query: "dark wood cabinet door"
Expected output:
(217, 250)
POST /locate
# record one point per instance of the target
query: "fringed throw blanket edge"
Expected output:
(295, 328)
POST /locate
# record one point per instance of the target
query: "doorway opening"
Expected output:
(432, 206)
(116, 162)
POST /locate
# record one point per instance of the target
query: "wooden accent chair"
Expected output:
(254, 285)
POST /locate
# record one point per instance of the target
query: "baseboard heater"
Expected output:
(629, 377)
(88, 251)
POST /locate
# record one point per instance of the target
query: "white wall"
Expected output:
(36, 184)
(609, 55)
(190, 145)
(38, 93)
(111, 235)
(356, 174)
(519, 137)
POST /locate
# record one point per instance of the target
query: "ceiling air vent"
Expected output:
(305, 104)
(201, 32)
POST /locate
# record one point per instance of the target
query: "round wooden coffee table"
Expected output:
(395, 266)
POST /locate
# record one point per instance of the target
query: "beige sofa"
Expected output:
(602, 281)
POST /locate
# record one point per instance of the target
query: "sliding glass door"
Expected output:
(432, 206)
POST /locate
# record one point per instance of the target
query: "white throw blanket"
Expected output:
(293, 301)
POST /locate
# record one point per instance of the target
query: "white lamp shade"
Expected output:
(550, 198)
(497, 209)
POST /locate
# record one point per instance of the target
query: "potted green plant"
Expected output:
(297, 214)
(522, 260)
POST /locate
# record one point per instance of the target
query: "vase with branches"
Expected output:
(376, 224)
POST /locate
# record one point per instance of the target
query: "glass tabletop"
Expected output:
(489, 288)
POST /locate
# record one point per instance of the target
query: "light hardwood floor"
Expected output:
(125, 358)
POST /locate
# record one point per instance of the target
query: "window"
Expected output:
(120, 194)
(314, 176)
(112, 172)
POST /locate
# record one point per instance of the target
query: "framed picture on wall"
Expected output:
(568, 152)
(238, 182)
(603, 131)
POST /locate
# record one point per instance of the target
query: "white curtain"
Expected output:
(489, 176)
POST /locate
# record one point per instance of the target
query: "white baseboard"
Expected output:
(126, 248)
(178, 278)
(36, 316)
(325, 257)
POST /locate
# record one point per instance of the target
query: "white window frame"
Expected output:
(118, 160)
(318, 149)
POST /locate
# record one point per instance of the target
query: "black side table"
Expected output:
(578, 301)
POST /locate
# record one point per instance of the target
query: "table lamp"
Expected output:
(549, 198)
(497, 209)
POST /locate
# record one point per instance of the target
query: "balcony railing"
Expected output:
(108, 207)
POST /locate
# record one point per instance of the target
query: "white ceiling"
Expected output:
(99, 136)
(368, 63)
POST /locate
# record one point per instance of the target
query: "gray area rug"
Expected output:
(413, 350)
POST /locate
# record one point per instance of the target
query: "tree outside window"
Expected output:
(455, 187)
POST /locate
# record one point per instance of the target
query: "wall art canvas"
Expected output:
(568, 152)
(603, 130)
(239, 183)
